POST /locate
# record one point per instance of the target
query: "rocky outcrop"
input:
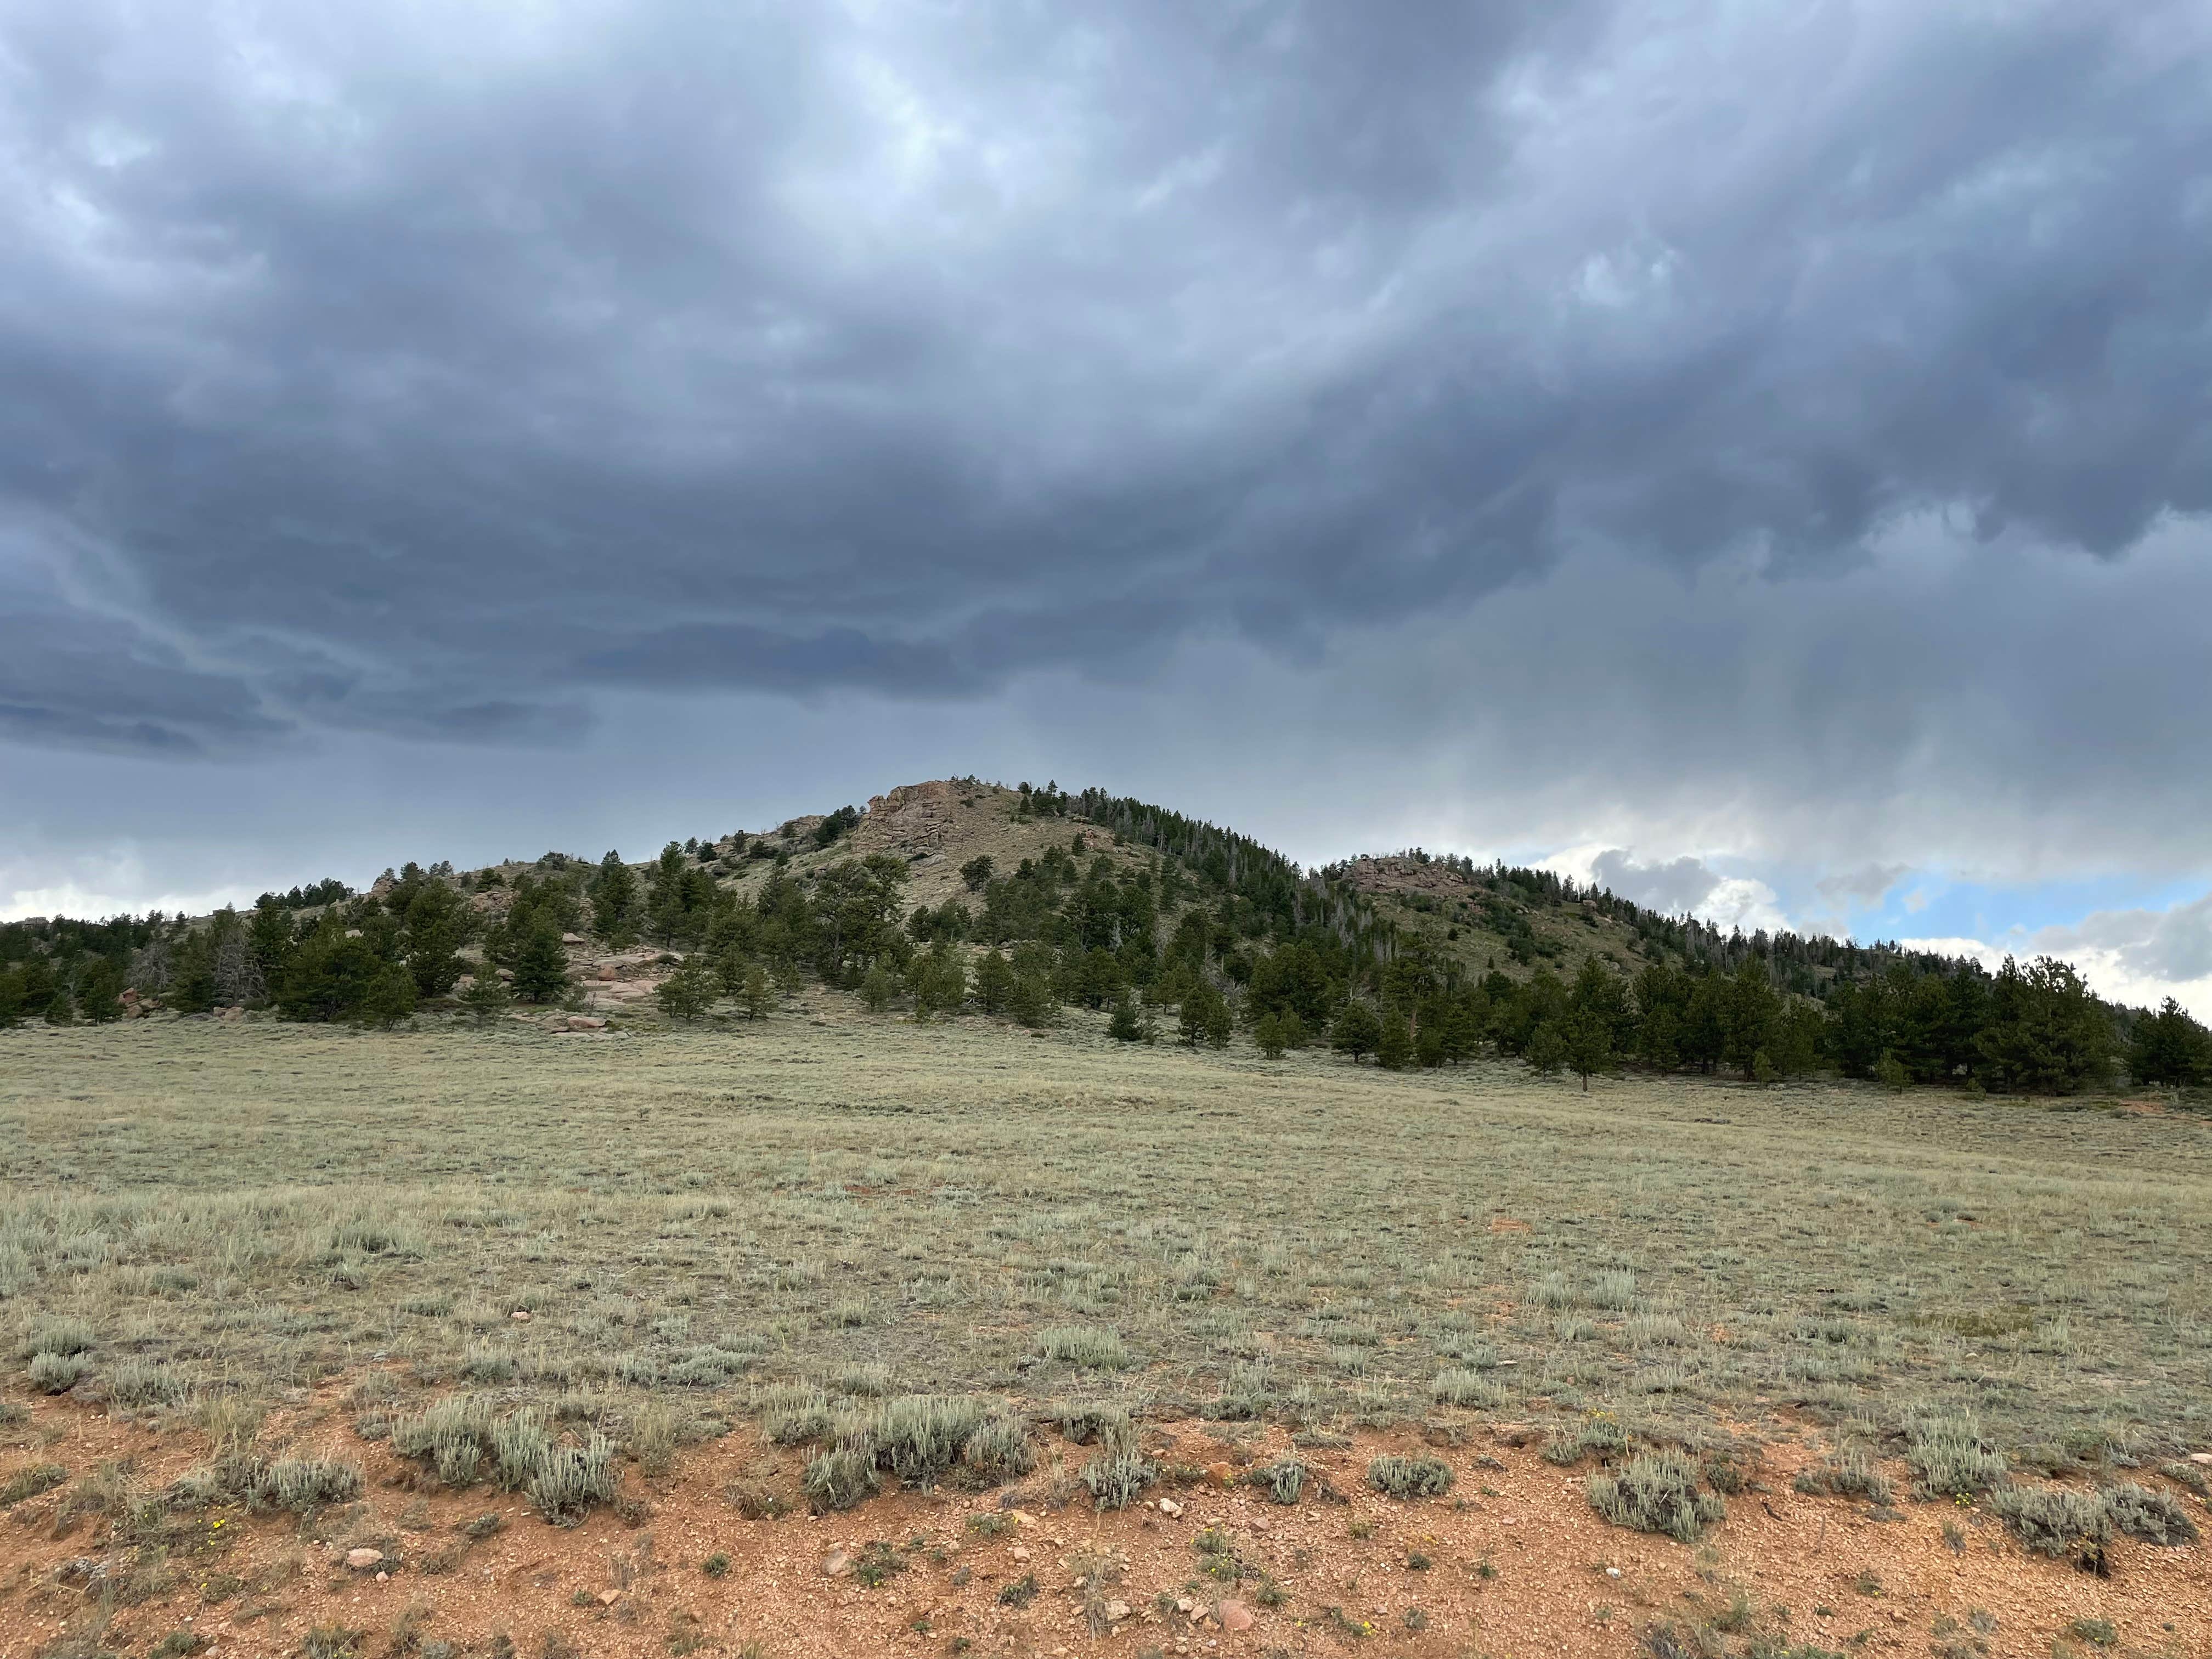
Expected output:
(914, 819)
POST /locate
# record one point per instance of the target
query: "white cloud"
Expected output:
(2136, 956)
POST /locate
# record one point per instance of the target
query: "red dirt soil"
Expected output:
(1518, 1564)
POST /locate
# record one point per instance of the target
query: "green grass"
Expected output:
(199, 1216)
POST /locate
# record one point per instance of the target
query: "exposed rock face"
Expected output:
(1395, 874)
(914, 818)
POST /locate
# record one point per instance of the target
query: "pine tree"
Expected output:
(191, 973)
(100, 991)
(1394, 1049)
(330, 972)
(2046, 1034)
(1267, 1034)
(995, 982)
(938, 982)
(1220, 1021)
(389, 999)
(541, 966)
(1030, 1000)
(488, 998)
(438, 923)
(1203, 1010)
(1122, 1025)
(687, 992)
(1547, 1047)
(878, 988)
(1357, 1030)
(2170, 1048)
(759, 996)
(1749, 1005)
(614, 900)
(268, 940)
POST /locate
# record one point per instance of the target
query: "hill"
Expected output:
(956, 894)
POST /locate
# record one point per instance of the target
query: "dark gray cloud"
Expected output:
(420, 373)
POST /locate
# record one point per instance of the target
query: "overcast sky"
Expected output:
(1761, 456)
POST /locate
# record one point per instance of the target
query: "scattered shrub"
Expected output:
(918, 1436)
(29, 1483)
(1656, 1491)
(520, 1447)
(1410, 1477)
(999, 1450)
(486, 1364)
(790, 1416)
(1601, 1436)
(840, 1478)
(708, 1367)
(454, 1435)
(1283, 1480)
(1461, 1387)
(2191, 1476)
(2052, 1520)
(61, 1336)
(1118, 1471)
(569, 1479)
(303, 1484)
(871, 1381)
(141, 1383)
(1849, 1474)
(332, 1642)
(1951, 1458)
(2148, 1513)
(1613, 1288)
(56, 1373)
(1082, 1344)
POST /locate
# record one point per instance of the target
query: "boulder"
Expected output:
(1235, 1615)
(363, 1559)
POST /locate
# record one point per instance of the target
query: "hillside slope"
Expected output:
(954, 893)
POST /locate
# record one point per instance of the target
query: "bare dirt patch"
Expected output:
(1512, 1561)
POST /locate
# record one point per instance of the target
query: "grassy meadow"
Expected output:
(197, 1214)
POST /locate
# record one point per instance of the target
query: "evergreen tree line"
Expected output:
(1224, 932)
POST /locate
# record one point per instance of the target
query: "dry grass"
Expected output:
(200, 1214)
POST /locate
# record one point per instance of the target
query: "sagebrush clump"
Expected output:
(1849, 1474)
(1410, 1477)
(1657, 1491)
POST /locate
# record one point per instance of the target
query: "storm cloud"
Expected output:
(410, 370)
(1681, 433)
